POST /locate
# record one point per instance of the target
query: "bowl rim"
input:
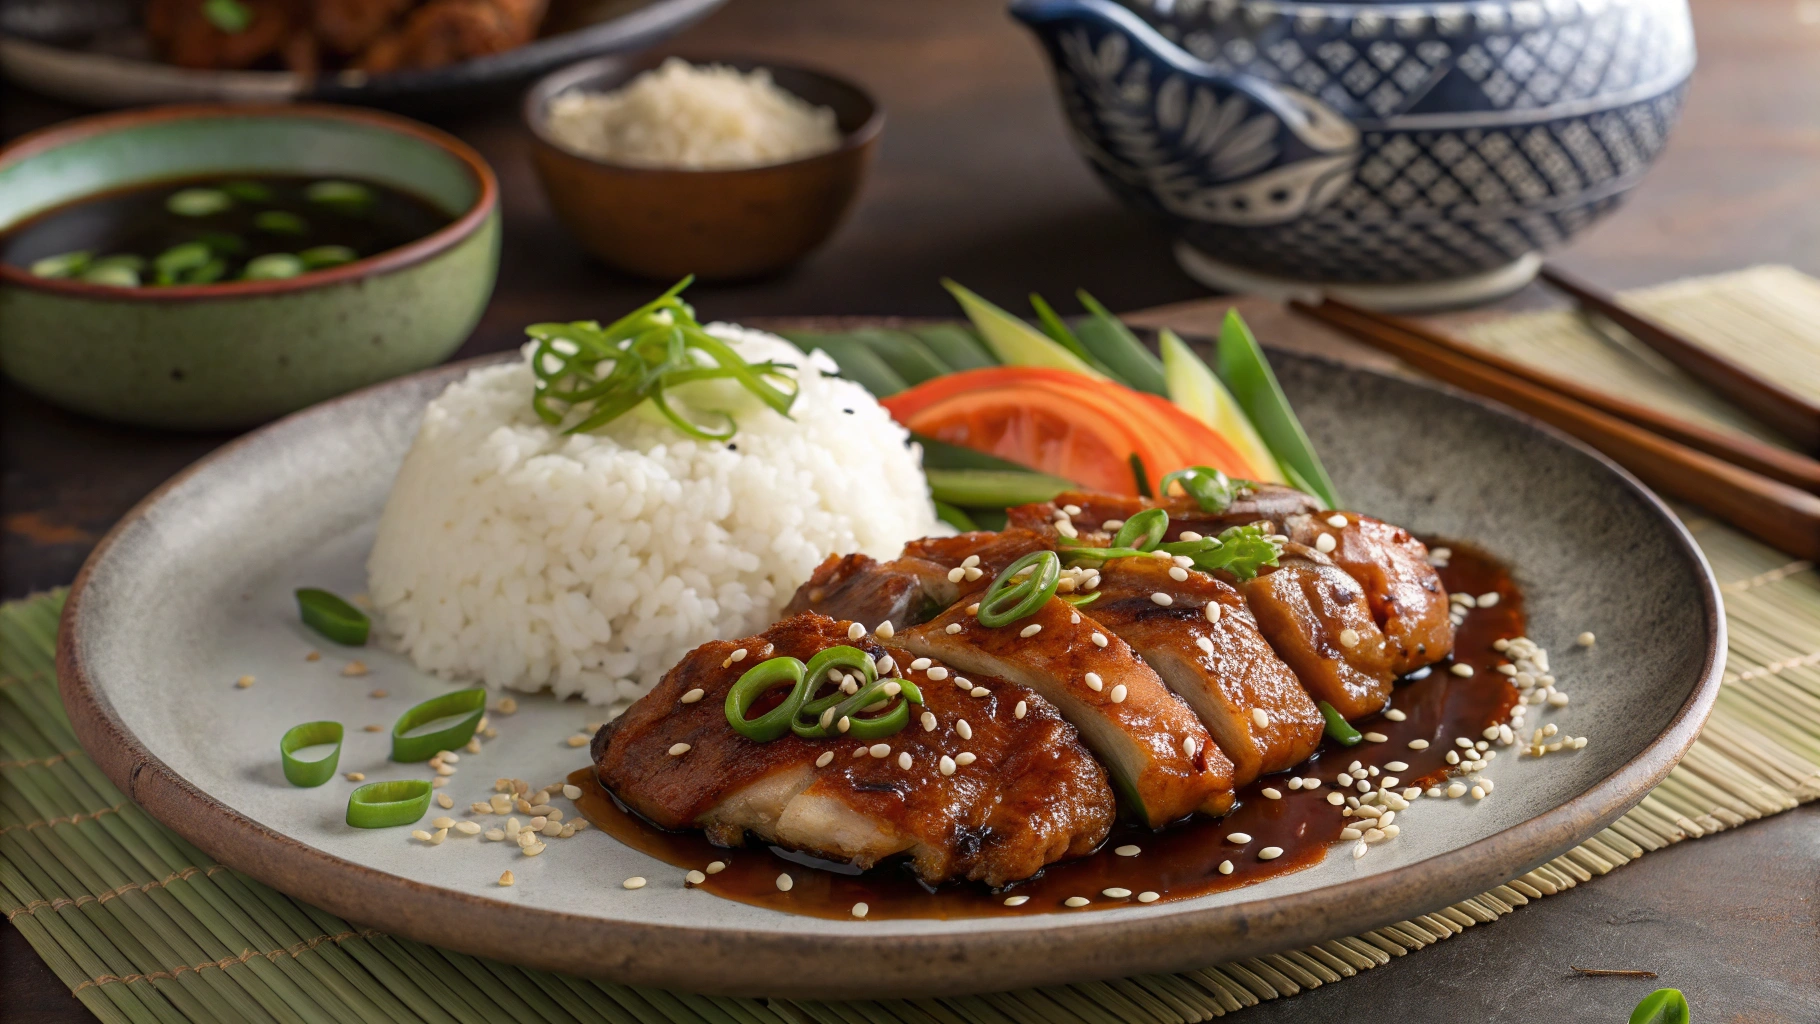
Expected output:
(568, 77)
(55, 136)
(663, 955)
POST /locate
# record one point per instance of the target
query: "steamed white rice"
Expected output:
(591, 563)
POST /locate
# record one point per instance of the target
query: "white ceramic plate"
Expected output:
(193, 590)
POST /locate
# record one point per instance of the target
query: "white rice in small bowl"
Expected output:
(591, 563)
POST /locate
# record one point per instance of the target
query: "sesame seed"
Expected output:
(1094, 682)
(952, 628)
(578, 741)
(676, 749)
(1112, 525)
(1478, 792)
(420, 835)
(1349, 638)
(1118, 694)
(1177, 573)
(1021, 710)
(1557, 700)
(946, 765)
(785, 883)
(1270, 853)
(892, 689)
(928, 721)
(1127, 851)
(444, 801)
(974, 608)
(1016, 901)
(919, 664)
(313, 656)
(635, 882)
(1241, 838)
(1073, 510)
(737, 656)
(1325, 544)
(1204, 644)
(1418, 744)
(938, 673)
(694, 878)
(1225, 867)
(243, 682)
(845, 723)
(903, 760)
(1336, 799)
(822, 761)
(965, 758)
(1394, 715)
(1162, 599)
(1462, 670)
(354, 668)
(694, 695)
(1076, 901)
(1116, 893)
(1099, 640)
(879, 750)
(1031, 630)
(1350, 832)
(855, 631)
(1456, 789)
(978, 691)
(716, 867)
(885, 630)
(861, 910)
(1211, 610)
(1074, 618)
(963, 730)
(1260, 718)
(357, 776)
(1488, 600)
(1375, 737)
(1188, 746)
(1586, 639)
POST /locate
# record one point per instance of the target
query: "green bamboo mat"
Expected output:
(143, 927)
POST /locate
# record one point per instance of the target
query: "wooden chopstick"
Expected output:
(1761, 398)
(1754, 455)
(1781, 515)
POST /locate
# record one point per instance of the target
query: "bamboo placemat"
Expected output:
(144, 928)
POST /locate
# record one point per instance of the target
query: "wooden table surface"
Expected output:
(976, 180)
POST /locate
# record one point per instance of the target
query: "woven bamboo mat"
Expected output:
(144, 928)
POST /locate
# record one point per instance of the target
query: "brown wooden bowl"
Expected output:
(665, 223)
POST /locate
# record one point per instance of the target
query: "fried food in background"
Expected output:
(376, 36)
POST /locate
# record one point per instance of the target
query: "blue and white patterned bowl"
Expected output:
(1406, 153)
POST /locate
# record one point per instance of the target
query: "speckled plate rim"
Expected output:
(975, 956)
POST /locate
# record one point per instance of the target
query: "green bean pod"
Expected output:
(1009, 599)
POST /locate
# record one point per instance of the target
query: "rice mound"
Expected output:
(591, 563)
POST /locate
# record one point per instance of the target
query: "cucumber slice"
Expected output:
(1194, 387)
(1013, 341)
(1247, 372)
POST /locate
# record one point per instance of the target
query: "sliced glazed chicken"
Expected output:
(932, 574)
(1316, 618)
(1159, 755)
(1403, 591)
(1028, 795)
(1216, 660)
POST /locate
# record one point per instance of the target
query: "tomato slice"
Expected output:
(1062, 423)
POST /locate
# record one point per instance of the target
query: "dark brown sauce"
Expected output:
(1179, 862)
(264, 215)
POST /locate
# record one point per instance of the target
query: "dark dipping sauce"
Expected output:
(246, 226)
(1179, 862)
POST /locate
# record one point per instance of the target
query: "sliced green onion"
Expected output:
(316, 771)
(815, 674)
(470, 705)
(247, 191)
(1240, 550)
(1211, 489)
(198, 202)
(175, 263)
(1338, 729)
(1143, 531)
(1080, 599)
(755, 682)
(1010, 598)
(275, 266)
(348, 197)
(64, 264)
(955, 517)
(602, 373)
(280, 222)
(385, 804)
(318, 257)
(887, 724)
(333, 617)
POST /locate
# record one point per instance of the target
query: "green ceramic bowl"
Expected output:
(235, 354)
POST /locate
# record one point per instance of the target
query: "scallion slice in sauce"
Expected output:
(1338, 728)
(469, 705)
(1011, 597)
(385, 804)
(333, 617)
(315, 771)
